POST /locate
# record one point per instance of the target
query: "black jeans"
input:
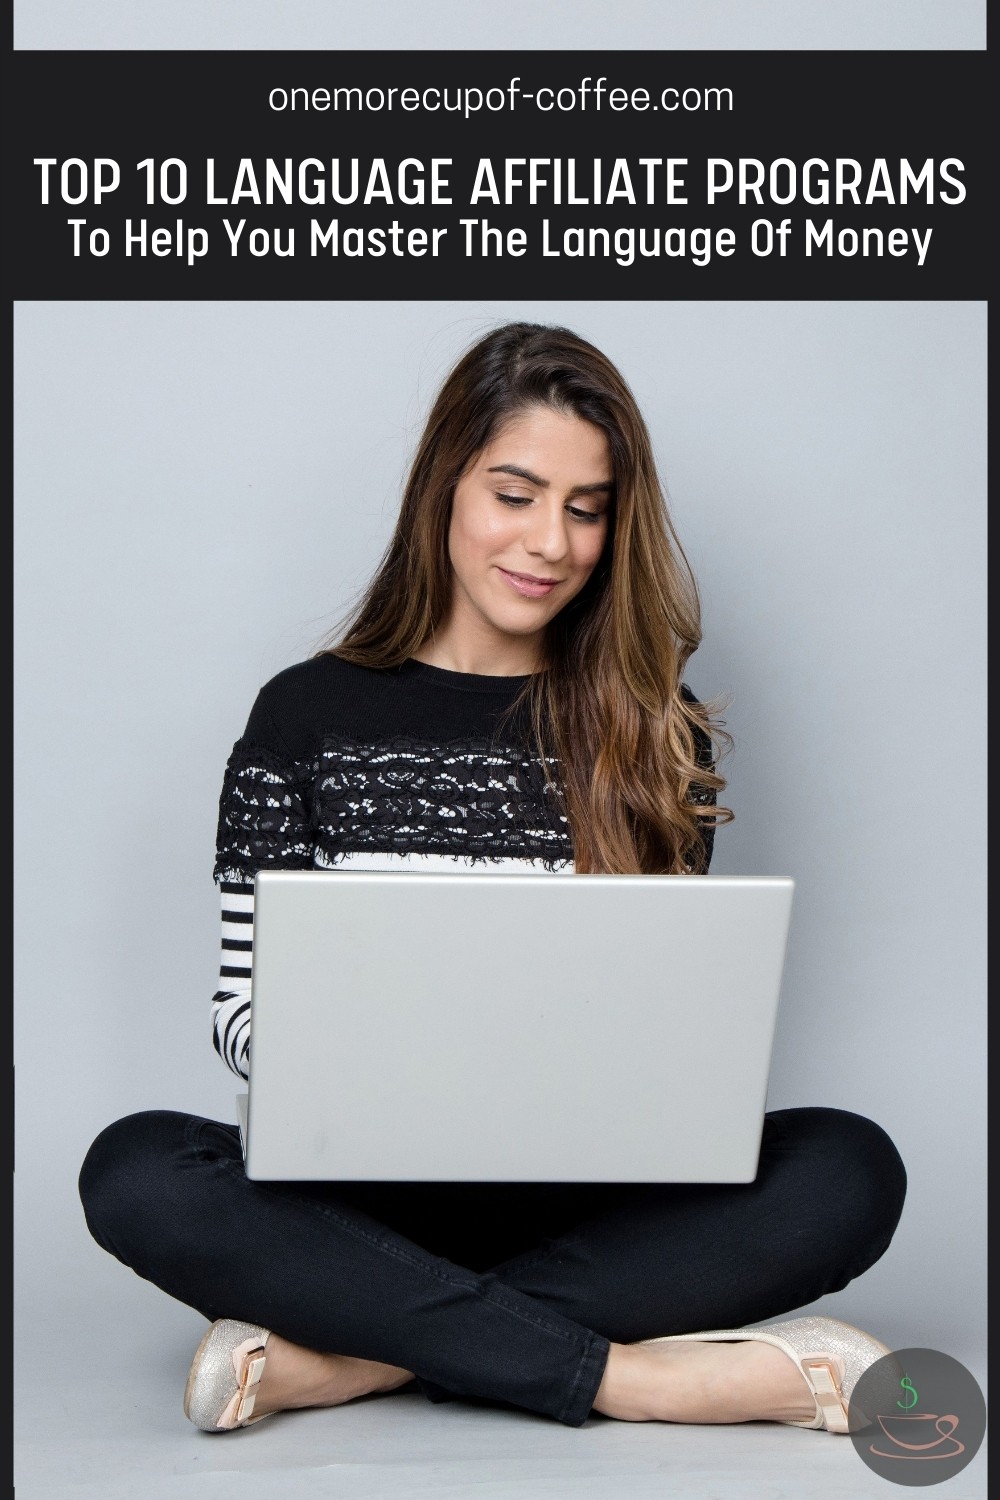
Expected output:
(510, 1291)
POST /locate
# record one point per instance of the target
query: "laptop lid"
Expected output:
(481, 1027)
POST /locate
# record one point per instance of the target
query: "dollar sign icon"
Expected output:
(908, 1391)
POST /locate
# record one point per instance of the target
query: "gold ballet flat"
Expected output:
(224, 1376)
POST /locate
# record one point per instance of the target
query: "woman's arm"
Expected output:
(264, 824)
(231, 1001)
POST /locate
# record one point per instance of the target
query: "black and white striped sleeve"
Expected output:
(264, 824)
(231, 1001)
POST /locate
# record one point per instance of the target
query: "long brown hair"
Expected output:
(636, 755)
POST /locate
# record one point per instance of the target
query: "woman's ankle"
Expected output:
(623, 1392)
(702, 1382)
(296, 1377)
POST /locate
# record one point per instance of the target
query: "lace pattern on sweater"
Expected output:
(471, 799)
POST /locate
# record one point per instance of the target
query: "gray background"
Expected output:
(201, 488)
(451, 24)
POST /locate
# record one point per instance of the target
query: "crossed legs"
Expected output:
(527, 1294)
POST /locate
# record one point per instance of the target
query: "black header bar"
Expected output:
(496, 174)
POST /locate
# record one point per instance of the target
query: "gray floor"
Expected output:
(99, 1418)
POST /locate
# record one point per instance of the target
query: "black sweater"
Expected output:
(404, 767)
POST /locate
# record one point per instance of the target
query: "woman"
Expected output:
(508, 692)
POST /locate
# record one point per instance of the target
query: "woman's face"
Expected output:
(529, 522)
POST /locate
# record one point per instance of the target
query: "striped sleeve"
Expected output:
(264, 824)
(231, 1001)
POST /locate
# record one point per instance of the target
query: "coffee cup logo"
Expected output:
(918, 1437)
(906, 1412)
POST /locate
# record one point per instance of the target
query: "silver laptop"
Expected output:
(503, 1027)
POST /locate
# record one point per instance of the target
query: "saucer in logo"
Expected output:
(917, 1417)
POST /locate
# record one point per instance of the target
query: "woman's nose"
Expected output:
(546, 532)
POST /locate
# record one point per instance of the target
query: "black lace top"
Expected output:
(337, 760)
(344, 765)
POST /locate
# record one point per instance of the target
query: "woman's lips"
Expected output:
(529, 586)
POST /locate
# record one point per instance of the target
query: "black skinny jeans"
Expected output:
(510, 1291)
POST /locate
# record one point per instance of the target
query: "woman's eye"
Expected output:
(519, 501)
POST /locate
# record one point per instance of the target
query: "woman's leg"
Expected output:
(628, 1262)
(653, 1260)
(167, 1194)
(650, 1260)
